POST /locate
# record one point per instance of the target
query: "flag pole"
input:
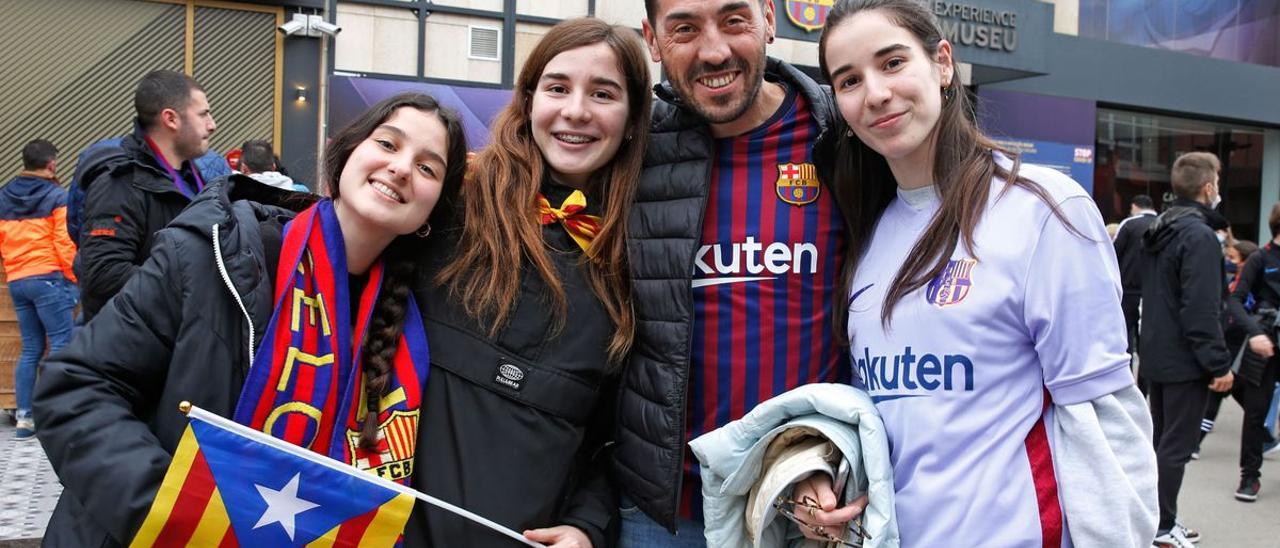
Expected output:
(193, 412)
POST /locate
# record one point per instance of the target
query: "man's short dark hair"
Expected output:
(1143, 201)
(651, 8)
(159, 90)
(256, 154)
(1192, 171)
(37, 154)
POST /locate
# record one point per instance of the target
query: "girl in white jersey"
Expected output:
(984, 312)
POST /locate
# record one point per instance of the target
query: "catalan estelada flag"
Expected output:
(229, 485)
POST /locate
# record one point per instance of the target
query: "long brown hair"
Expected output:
(962, 170)
(401, 256)
(500, 227)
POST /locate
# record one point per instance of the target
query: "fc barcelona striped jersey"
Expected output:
(764, 278)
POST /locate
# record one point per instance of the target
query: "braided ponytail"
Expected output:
(385, 327)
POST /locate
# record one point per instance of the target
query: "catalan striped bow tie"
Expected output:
(572, 215)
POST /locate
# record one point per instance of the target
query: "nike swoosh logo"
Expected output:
(891, 397)
(859, 292)
(722, 281)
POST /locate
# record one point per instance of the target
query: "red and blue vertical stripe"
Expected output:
(758, 338)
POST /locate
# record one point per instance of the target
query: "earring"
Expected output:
(948, 93)
(424, 231)
(848, 132)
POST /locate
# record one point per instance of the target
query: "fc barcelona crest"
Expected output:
(809, 15)
(798, 183)
(952, 284)
(393, 457)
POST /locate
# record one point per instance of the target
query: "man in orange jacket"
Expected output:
(37, 255)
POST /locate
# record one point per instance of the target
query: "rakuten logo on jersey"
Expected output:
(909, 375)
(750, 260)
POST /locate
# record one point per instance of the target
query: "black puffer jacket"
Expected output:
(129, 198)
(1183, 297)
(665, 231)
(107, 403)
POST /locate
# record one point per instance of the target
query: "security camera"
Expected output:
(324, 27)
(312, 26)
(296, 26)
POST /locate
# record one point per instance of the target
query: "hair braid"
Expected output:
(385, 327)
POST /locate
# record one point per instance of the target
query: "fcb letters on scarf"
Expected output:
(306, 385)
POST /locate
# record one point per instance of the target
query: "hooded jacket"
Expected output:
(33, 228)
(129, 199)
(275, 179)
(664, 233)
(1182, 297)
(181, 329)
(99, 158)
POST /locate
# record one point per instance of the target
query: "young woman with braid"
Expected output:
(289, 313)
(527, 301)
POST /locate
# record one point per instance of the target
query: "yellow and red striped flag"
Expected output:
(230, 485)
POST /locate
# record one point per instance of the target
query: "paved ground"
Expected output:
(29, 489)
(1207, 503)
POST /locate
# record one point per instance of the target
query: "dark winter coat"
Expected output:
(665, 231)
(1183, 297)
(129, 198)
(1259, 277)
(1128, 246)
(107, 402)
(519, 420)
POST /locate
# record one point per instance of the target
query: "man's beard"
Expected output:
(754, 78)
(190, 146)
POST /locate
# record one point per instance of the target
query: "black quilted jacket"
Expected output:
(665, 230)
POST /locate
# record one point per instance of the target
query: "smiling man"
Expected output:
(736, 243)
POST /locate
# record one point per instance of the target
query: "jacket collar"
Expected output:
(1211, 216)
(39, 174)
(215, 204)
(135, 145)
(239, 206)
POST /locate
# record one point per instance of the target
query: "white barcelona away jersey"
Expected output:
(967, 369)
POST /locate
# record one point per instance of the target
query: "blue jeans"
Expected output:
(639, 531)
(44, 304)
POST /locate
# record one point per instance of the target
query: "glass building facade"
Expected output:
(1135, 154)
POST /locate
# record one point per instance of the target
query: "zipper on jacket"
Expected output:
(226, 278)
(688, 360)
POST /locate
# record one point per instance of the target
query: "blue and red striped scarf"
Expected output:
(306, 386)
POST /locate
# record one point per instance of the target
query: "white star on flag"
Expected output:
(283, 505)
